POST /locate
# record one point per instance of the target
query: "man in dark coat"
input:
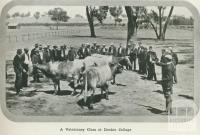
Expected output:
(25, 64)
(167, 81)
(133, 57)
(87, 50)
(36, 60)
(175, 61)
(139, 49)
(55, 53)
(94, 48)
(71, 54)
(120, 51)
(151, 59)
(18, 68)
(81, 52)
(46, 55)
(33, 50)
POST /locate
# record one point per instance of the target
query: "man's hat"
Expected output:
(26, 49)
(169, 57)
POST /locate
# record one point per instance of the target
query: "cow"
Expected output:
(98, 77)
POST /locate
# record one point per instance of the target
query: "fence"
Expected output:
(38, 35)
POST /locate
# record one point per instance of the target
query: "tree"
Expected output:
(158, 19)
(58, 15)
(132, 15)
(37, 15)
(93, 12)
(116, 12)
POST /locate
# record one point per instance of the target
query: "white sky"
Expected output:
(73, 10)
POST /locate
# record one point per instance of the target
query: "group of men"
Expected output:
(137, 54)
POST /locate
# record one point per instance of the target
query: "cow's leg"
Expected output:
(107, 91)
(113, 82)
(56, 84)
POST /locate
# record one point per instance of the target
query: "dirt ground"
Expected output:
(131, 96)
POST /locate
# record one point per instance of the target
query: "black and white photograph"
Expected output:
(134, 61)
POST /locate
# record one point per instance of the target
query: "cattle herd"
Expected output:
(86, 68)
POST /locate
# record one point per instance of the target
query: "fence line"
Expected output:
(38, 35)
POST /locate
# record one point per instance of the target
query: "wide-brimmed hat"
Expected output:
(169, 57)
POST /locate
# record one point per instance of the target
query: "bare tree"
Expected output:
(93, 12)
(157, 19)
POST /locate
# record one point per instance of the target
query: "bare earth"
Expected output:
(132, 96)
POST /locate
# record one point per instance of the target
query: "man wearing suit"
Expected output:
(167, 81)
(133, 57)
(139, 56)
(36, 60)
(120, 51)
(71, 54)
(46, 55)
(88, 50)
(81, 52)
(25, 64)
(175, 62)
(55, 53)
(94, 48)
(18, 69)
(104, 50)
(151, 59)
(33, 50)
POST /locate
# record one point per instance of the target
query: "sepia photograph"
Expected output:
(131, 61)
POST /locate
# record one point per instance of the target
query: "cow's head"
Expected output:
(116, 68)
(125, 61)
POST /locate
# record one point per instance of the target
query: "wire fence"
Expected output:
(21, 37)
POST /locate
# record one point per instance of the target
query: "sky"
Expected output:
(73, 10)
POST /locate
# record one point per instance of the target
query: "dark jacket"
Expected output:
(151, 56)
(174, 58)
(81, 53)
(71, 55)
(36, 59)
(17, 64)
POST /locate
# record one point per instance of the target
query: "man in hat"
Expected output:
(151, 59)
(18, 69)
(88, 50)
(175, 61)
(55, 53)
(81, 52)
(33, 50)
(133, 56)
(94, 48)
(46, 55)
(167, 81)
(104, 50)
(25, 65)
(139, 49)
(36, 60)
(120, 51)
(71, 54)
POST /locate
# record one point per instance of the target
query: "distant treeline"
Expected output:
(181, 20)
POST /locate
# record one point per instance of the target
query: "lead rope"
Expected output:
(85, 91)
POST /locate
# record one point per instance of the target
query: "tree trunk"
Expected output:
(166, 23)
(90, 21)
(131, 23)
